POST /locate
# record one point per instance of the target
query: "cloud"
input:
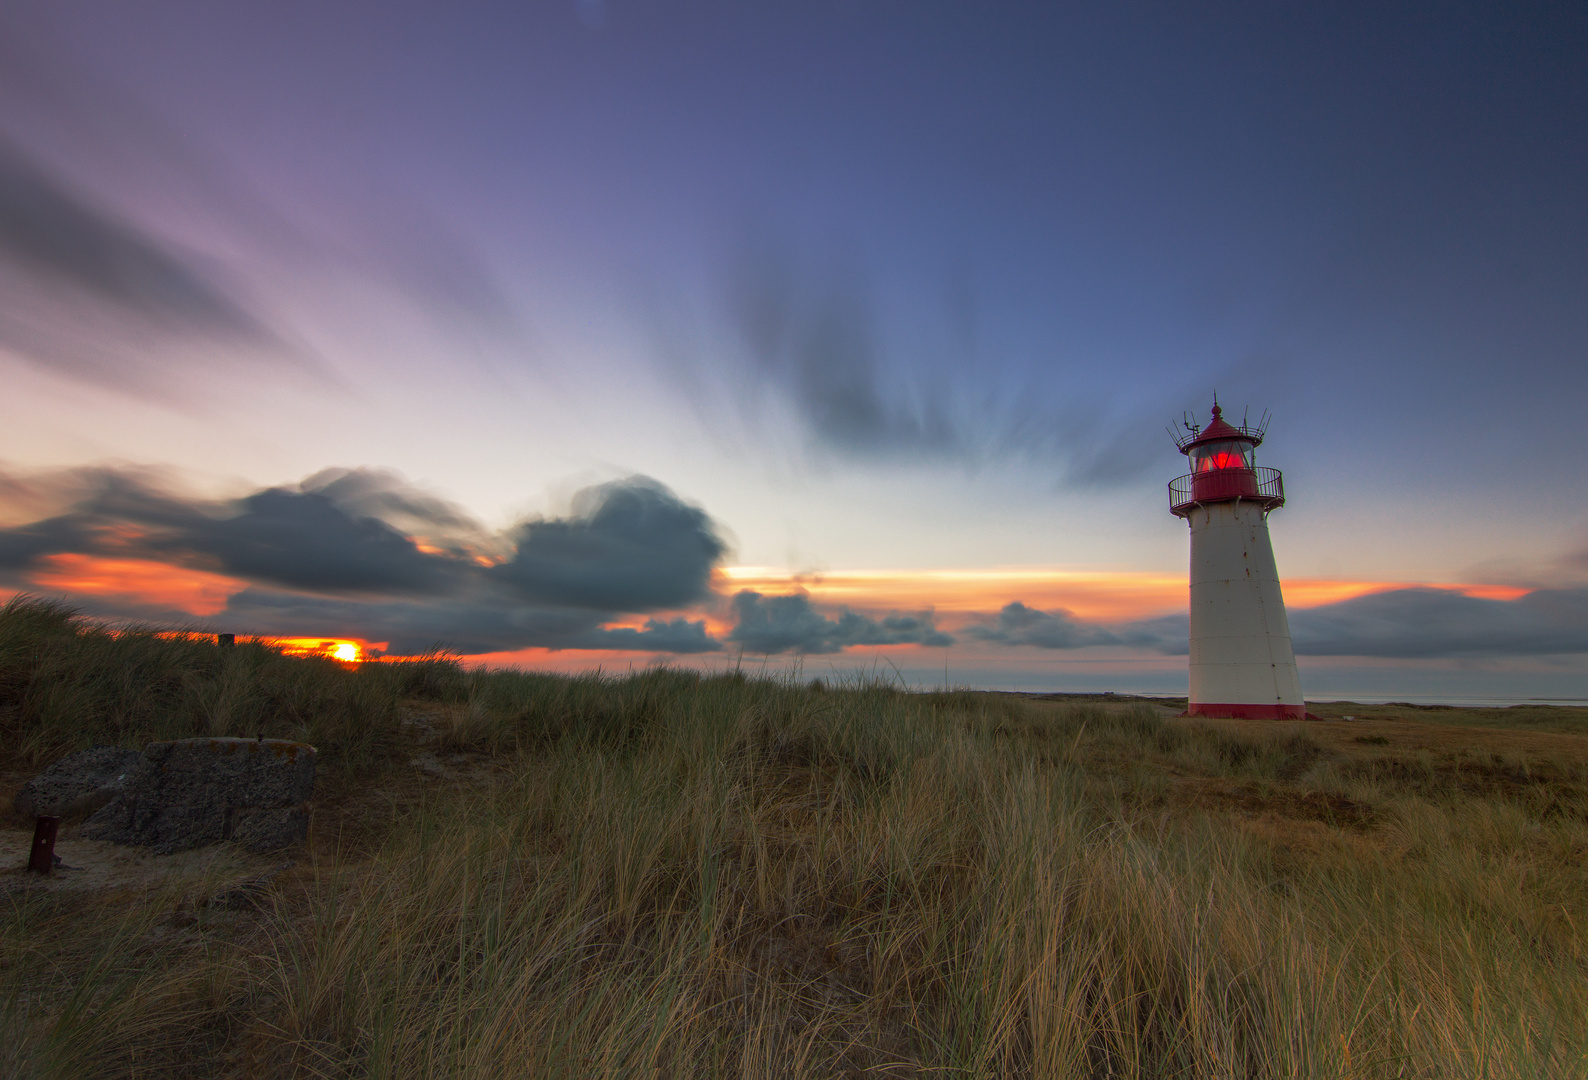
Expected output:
(799, 339)
(471, 623)
(779, 624)
(676, 636)
(293, 538)
(92, 289)
(361, 553)
(1406, 624)
(337, 555)
(817, 345)
(385, 496)
(400, 245)
(1017, 624)
(304, 540)
(1576, 561)
(1424, 623)
(480, 622)
(80, 288)
(630, 545)
(54, 233)
(1167, 634)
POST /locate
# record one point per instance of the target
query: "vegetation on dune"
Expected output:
(67, 683)
(675, 875)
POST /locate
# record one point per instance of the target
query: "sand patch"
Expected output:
(97, 866)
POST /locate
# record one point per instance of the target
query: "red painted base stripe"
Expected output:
(1247, 712)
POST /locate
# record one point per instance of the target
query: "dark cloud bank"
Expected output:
(789, 624)
(1018, 624)
(1402, 624)
(359, 553)
(1415, 624)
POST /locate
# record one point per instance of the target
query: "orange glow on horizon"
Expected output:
(1095, 595)
(1488, 592)
(1105, 595)
(564, 660)
(1109, 596)
(197, 592)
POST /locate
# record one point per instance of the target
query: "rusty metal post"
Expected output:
(42, 861)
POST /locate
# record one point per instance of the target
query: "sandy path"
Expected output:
(98, 866)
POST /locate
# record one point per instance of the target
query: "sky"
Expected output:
(825, 336)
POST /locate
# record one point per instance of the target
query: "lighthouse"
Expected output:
(1242, 663)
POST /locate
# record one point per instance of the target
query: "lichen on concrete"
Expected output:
(78, 783)
(192, 792)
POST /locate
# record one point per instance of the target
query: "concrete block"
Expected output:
(77, 783)
(192, 792)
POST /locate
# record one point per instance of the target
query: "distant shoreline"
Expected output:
(1421, 702)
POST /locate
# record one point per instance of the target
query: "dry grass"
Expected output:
(672, 876)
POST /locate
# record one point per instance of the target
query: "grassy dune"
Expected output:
(520, 875)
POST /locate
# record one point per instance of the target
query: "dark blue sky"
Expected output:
(1368, 203)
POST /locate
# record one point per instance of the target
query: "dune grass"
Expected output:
(67, 683)
(1533, 716)
(671, 875)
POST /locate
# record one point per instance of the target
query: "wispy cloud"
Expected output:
(800, 339)
(815, 341)
(54, 233)
(132, 258)
(88, 294)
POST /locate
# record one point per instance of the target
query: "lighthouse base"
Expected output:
(1247, 712)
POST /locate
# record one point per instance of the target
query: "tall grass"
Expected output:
(672, 875)
(67, 683)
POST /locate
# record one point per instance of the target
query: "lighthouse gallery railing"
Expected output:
(1220, 485)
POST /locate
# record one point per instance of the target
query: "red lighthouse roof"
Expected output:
(1218, 429)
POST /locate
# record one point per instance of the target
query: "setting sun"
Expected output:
(341, 650)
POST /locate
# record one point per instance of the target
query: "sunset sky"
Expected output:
(840, 334)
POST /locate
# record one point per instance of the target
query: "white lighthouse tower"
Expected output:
(1242, 663)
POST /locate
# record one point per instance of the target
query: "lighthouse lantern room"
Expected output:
(1242, 662)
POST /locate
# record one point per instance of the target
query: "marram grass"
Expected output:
(673, 876)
